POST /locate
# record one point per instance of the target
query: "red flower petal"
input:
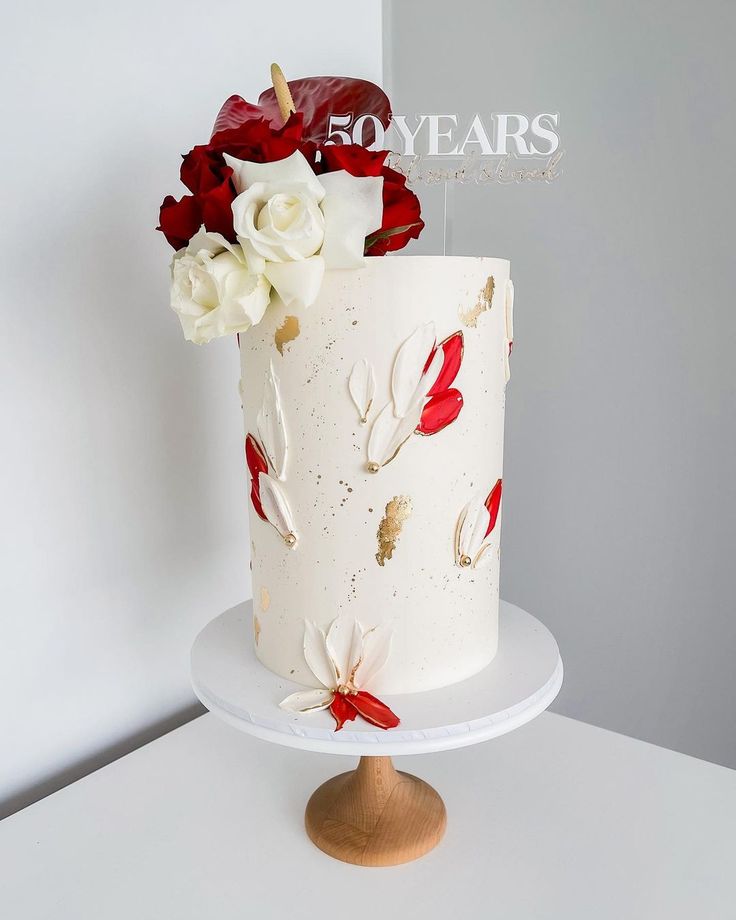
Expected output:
(453, 349)
(342, 711)
(257, 463)
(179, 220)
(373, 710)
(236, 111)
(440, 411)
(319, 97)
(493, 503)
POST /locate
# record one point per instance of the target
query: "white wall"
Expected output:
(619, 489)
(123, 485)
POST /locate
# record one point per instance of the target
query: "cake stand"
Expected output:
(375, 815)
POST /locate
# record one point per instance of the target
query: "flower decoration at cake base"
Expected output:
(474, 527)
(344, 661)
(423, 400)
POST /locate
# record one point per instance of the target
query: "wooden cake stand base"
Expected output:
(375, 815)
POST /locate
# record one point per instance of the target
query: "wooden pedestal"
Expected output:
(375, 816)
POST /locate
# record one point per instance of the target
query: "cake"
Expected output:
(373, 391)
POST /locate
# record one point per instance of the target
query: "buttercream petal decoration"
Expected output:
(342, 710)
(373, 710)
(389, 434)
(475, 525)
(409, 382)
(473, 530)
(317, 657)
(452, 356)
(297, 282)
(294, 168)
(509, 318)
(345, 646)
(440, 411)
(362, 386)
(307, 700)
(376, 651)
(257, 464)
(353, 208)
(271, 425)
(276, 508)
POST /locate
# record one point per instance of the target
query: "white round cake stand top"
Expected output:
(519, 684)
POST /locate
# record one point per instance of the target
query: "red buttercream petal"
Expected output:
(257, 463)
(373, 710)
(453, 349)
(342, 711)
(440, 411)
(493, 503)
(179, 220)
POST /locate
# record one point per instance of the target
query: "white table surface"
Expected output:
(555, 820)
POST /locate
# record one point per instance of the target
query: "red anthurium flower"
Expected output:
(257, 464)
(493, 503)
(440, 411)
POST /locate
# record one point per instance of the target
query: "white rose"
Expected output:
(213, 291)
(292, 225)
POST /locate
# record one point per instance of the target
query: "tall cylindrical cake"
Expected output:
(374, 422)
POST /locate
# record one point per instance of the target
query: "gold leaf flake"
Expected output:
(287, 332)
(256, 629)
(485, 297)
(398, 511)
(265, 599)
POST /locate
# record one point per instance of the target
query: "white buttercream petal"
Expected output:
(376, 650)
(406, 380)
(353, 208)
(307, 700)
(476, 519)
(317, 657)
(344, 645)
(362, 387)
(272, 426)
(275, 506)
(294, 168)
(297, 282)
(388, 433)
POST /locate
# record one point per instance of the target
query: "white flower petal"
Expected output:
(474, 526)
(297, 282)
(362, 386)
(317, 657)
(344, 645)
(408, 369)
(307, 700)
(388, 433)
(271, 425)
(275, 506)
(376, 650)
(353, 208)
(294, 168)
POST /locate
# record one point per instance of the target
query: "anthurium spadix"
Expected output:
(475, 526)
(343, 662)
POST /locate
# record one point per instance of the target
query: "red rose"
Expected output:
(401, 208)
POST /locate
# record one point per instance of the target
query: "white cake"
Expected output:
(430, 571)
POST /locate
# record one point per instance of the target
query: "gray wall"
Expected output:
(619, 472)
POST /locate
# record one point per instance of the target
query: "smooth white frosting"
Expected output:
(444, 618)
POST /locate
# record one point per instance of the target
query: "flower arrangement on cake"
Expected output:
(272, 205)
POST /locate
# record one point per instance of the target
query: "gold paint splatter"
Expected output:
(398, 511)
(256, 629)
(287, 332)
(265, 599)
(470, 317)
